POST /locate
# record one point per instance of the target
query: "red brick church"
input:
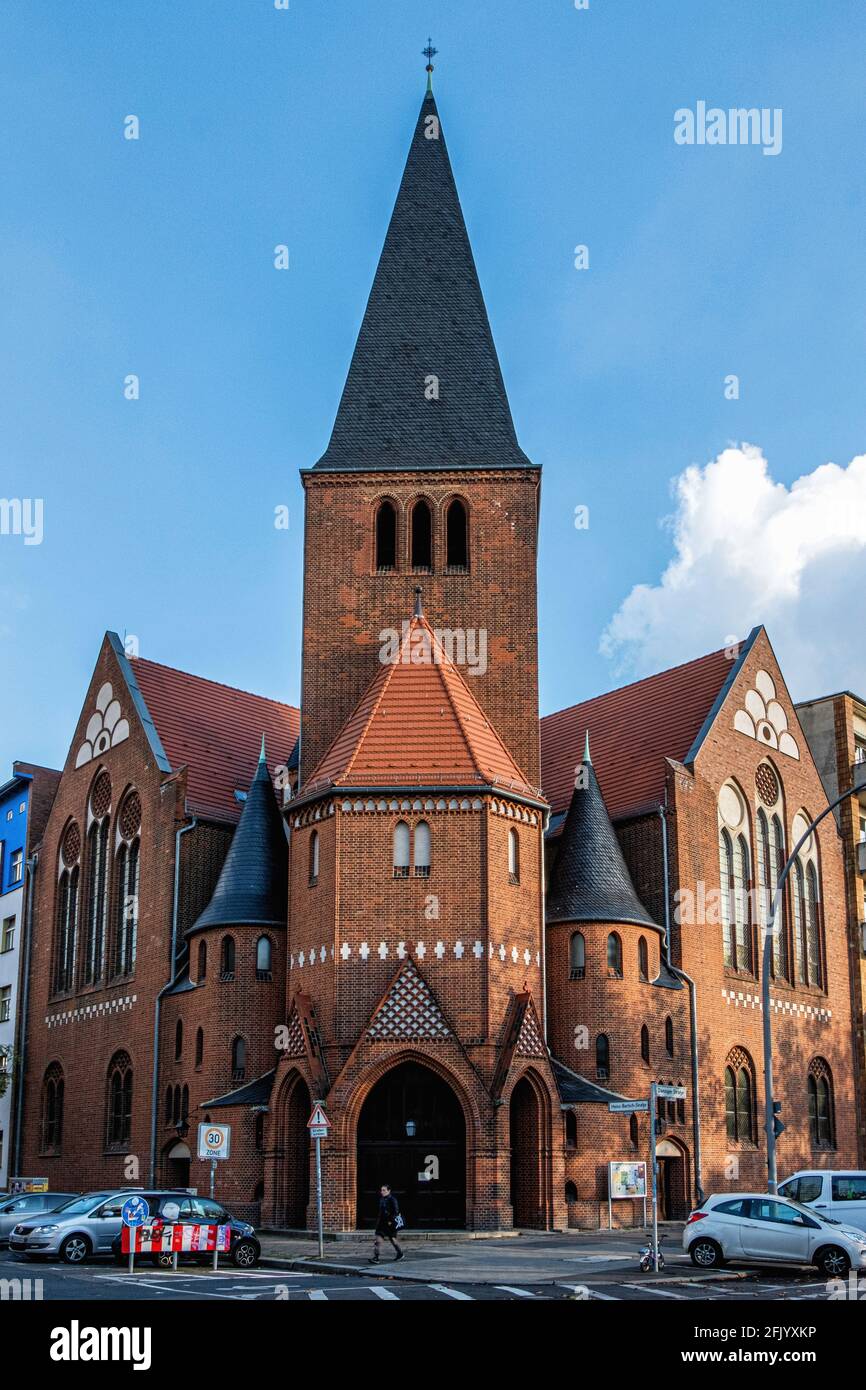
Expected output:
(464, 930)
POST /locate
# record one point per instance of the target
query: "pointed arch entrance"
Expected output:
(673, 1161)
(412, 1135)
(176, 1158)
(525, 1132)
(293, 1141)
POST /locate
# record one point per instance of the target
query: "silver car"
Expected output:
(85, 1226)
(26, 1204)
(766, 1229)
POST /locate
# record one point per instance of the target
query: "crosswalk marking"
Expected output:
(654, 1288)
(452, 1293)
(317, 1293)
(520, 1293)
(383, 1293)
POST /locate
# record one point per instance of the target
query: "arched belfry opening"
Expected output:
(412, 1135)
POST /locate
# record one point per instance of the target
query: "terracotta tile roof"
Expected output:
(418, 723)
(632, 730)
(216, 731)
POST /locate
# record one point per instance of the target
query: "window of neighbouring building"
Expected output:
(16, 866)
(8, 937)
(5, 1003)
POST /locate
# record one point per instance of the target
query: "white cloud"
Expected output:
(749, 550)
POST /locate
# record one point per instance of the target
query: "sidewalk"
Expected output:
(525, 1257)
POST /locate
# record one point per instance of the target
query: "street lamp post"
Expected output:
(769, 933)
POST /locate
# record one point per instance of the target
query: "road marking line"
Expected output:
(317, 1294)
(653, 1288)
(383, 1293)
(452, 1293)
(520, 1293)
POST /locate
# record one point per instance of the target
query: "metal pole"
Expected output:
(766, 961)
(212, 1176)
(655, 1181)
(131, 1249)
(319, 1196)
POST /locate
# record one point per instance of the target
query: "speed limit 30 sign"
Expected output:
(214, 1141)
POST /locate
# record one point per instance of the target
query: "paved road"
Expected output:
(103, 1281)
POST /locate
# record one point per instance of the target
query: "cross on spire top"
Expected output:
(429, 53)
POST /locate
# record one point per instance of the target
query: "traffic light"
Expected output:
(778, 1127)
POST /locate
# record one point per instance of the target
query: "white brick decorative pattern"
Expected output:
(409, 1011)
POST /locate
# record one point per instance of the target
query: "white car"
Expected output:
(830, 1193)
(770, 1230)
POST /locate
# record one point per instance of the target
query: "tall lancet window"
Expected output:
(401, 850)
(386, 538)
(422, 537)
(457, 537)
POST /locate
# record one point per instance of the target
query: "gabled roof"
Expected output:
(418, 723)
(589, 881)
(255, 1092)
(634, 729)
(213, 730)
(425, 317)
(577, 1090)
(253, 883)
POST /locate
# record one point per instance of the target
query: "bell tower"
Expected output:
(423, 481)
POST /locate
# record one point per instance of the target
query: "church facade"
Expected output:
(465, 931)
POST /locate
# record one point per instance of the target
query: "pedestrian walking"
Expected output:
(388, 1223)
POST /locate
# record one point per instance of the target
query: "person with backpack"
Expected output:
(388, 1223)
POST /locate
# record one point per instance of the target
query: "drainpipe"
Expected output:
(21, 1006)
(157, 1008)
(693, 1008)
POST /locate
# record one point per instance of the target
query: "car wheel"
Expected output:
(245, 1254)
(706, 1253)
(74, 1250)
(833, 1262)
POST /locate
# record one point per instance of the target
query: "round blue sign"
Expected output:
(134, 1211)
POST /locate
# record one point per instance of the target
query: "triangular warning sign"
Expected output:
(318, 1117)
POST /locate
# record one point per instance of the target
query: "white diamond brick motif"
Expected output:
(410, 1011)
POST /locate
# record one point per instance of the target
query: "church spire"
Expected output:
(429, 53)
(424, 388)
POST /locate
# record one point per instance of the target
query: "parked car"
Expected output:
(83, 1227)
(26, 1204)
(770, 1230)
(245, 1250)
(837, 1193)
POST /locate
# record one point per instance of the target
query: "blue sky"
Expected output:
(261, 126)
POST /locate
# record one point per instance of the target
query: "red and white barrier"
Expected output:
(183, 1239)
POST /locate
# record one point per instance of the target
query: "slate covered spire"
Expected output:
(590, 881)
(252, 886)
(425, 334)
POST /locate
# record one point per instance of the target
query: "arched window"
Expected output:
(93, 963)
(457, 537)
(813, 928)
(602, 1057)
(169, 1097)
(422, 537)
(52, 1109)
(781, 967)
(570, 1192)
(259, 1135)
(633, 1130)
(264, 958)
(126, 876)
(184, 1103)
(401, 850)
(644, 1044)
(202, 962)
(513, 856)
(740, 1118)
(642, 959)
(314, 858)
(614, 956)
(175, 1108)
(422, 850)
(726, 865)
(570, 1129)
(822, 1111)
(227, 958)
(66, 928)
(239, 1059)
(386, 538)
(669, 1036)
(199, 1048)
(178, 1040)
(577, 956)
(119, 1125)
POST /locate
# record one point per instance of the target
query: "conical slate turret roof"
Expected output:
(590, 881)
(425, 318)
(252, 886)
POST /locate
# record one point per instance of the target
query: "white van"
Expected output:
(835, 1193)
